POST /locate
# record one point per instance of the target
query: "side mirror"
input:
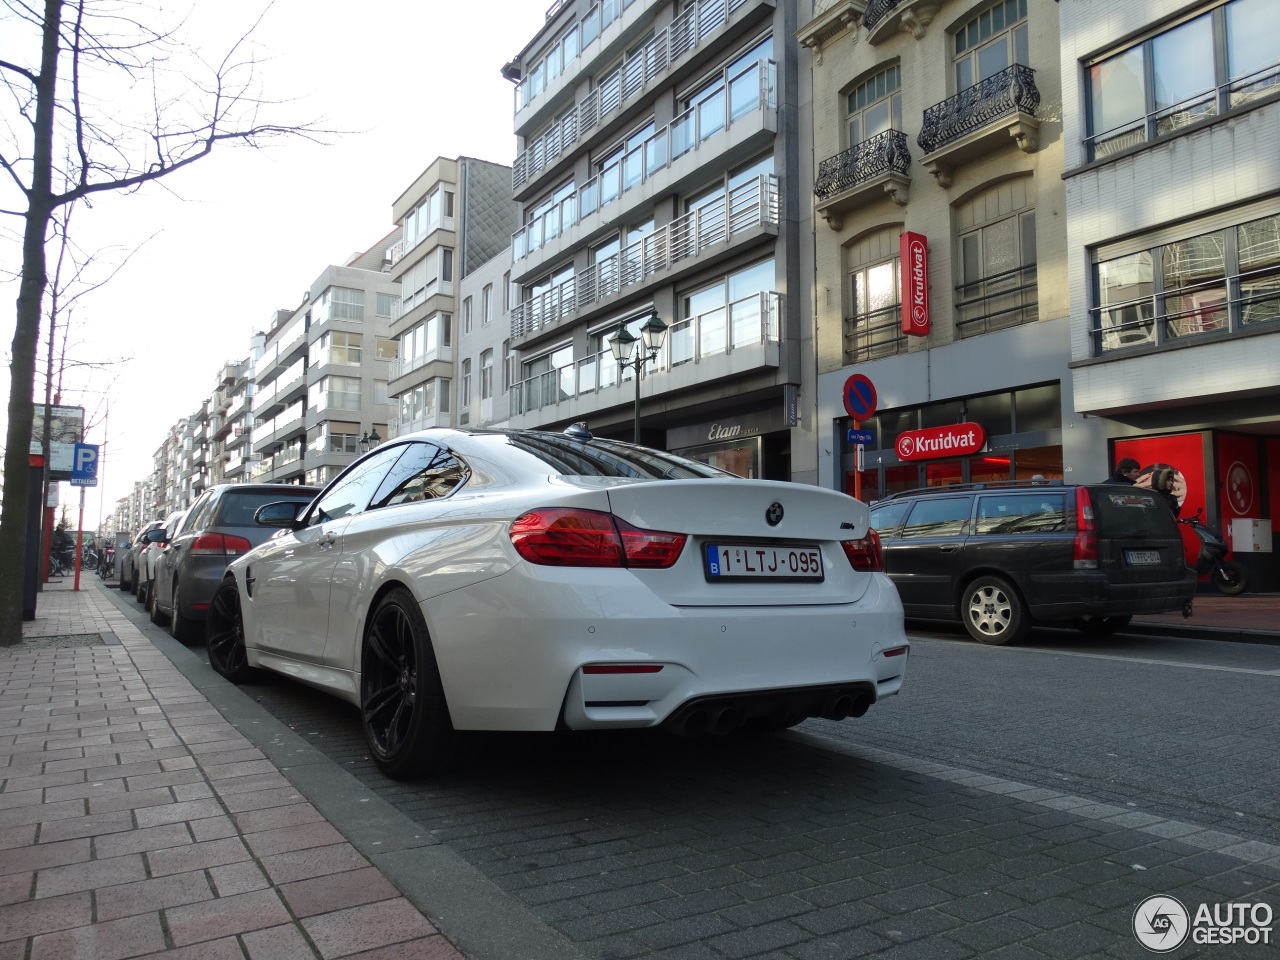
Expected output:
(156, 536)
(281, 514)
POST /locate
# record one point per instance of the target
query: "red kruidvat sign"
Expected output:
(955, 440)
(913, 252)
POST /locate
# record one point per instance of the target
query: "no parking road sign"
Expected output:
(84, 465)
(859, 397)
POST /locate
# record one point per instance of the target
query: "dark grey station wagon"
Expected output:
(1001, 557)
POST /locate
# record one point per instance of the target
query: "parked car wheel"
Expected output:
(994, 613)
(402, 706)
(125, 584)
(182, 628)
(224, 634)
(153, 607)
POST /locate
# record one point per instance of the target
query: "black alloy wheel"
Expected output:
(224, 634)
(402, 706)
(153, 605)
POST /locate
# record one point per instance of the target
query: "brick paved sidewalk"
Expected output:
(135, 821)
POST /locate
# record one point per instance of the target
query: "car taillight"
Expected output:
(217, 544)
(1084, 551)
(564, 537)
(864, 553)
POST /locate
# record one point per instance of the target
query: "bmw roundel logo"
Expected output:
(773, 516)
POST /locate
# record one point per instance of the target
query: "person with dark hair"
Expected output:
(1126, 471)
(1168, 482)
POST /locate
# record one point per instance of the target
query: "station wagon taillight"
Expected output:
(864, 553)
(566, 537)
(217, 544)
(1084, 551)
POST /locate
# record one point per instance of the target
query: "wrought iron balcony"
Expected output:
(1010, 92)
(876, 11)
(884, 153)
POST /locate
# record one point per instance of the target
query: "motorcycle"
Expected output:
(1228, 576)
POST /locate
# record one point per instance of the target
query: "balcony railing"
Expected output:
(869, 336)
(1011, 91)
(877, 10)
(1002, 300)
(657, 56)
(751, 204)
(752, 88)
(397, 427)
(751, 320)
(884, 153)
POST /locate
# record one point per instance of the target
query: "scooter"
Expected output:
(1228, 576)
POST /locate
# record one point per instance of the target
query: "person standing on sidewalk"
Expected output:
(1126, 471)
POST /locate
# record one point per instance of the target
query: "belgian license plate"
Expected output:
(1138, 558)
(757, 561)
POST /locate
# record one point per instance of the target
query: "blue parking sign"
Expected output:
(84, 465)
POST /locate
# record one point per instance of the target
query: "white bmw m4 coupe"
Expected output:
(456, 580)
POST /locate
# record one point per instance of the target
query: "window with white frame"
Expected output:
(1222, 60)
(992, 41)
(733, 311)
(387, 304)
(873, 325)
(486, 304)
(464, 389)
(874, 106)
(342, 303)
(423, 279)
(388, 349)
(466, 315)
(486, 375)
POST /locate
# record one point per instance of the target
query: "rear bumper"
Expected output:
(1062, 598)
(197, 583)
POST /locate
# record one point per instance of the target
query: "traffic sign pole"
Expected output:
(79, 541)
(857, 466)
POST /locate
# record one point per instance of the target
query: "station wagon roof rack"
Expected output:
(967, 487)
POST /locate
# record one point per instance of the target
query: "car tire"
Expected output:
(224, 634)
(135, 585)
(153, 606)
(124, 584)
(181, 627)
(402, 705)
(993, 612)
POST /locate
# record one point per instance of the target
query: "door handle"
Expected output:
(947, 547)
(327, 541)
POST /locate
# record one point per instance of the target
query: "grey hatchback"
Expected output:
(1001, 556)
(219, 528)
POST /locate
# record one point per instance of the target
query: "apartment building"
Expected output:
(940, 276)
(456, 216)
(320, 385)
(234, 429)
(1171, 129)
(485, 368)
(658, 174)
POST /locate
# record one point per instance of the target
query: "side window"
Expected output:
(1024, 513)
(351, 492)
(199, 514)
(945, 517)
(425, 472)
(886, 519)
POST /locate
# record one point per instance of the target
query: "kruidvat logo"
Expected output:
(1162, 924)
(958, 439)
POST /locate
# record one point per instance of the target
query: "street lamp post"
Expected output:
(369, 440)
(623, 343)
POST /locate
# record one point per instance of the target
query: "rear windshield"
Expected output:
(608, 458)
(1132, 512)
(237, 508)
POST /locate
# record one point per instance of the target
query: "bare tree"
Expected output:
(68, 131)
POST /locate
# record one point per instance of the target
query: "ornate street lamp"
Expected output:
(369, 440)
(623, 343)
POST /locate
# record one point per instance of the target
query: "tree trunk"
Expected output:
(22, 368)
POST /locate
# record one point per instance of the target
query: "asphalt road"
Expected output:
(1013, 802)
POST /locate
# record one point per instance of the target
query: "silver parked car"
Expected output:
(219, 528)
(153, 542)
(129, 557)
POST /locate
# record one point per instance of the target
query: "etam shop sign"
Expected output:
(956, 440)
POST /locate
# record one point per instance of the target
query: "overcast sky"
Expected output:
(223, 244)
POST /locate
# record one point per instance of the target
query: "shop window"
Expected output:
(1038, 408)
